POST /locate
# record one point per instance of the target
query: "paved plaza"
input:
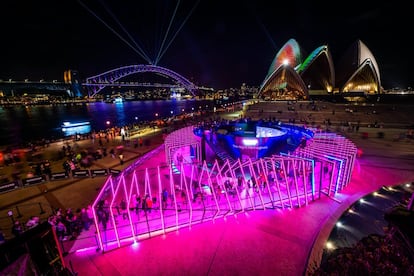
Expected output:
(261, 242)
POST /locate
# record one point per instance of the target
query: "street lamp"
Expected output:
(10, 214)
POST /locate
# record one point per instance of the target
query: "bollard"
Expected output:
(97, 243)
(41, 208)
(10, 214)
(18, 212)
(71, 268)
(64, 253)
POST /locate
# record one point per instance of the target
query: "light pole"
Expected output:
(10, 214)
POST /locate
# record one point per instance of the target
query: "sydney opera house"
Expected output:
(295, 75)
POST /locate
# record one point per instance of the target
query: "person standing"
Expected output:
(17, 229)
(149, 203)
(121, 158)
(240, 181)
(85, 219)
(124, 209)
(90, 214)
(123, 134)
(144, 203)
(164, 198)
(2, 238)
(137, 204)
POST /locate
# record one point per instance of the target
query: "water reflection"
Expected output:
(22, 124)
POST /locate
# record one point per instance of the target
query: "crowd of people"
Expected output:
(373, 255)
(67, 223)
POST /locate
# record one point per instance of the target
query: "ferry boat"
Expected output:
(118, 100)
(71, 128)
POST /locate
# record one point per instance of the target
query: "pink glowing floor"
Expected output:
(260, 241)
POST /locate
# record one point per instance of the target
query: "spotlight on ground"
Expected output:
(135, 245)
(329, 245)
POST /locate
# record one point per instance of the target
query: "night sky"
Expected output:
(215, 43)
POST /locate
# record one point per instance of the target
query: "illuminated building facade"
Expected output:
(72, 77)
(291, 76)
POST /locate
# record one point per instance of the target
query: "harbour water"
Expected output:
(22, 124)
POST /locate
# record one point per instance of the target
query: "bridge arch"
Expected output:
(96, 83)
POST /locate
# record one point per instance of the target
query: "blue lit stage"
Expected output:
(255, 139)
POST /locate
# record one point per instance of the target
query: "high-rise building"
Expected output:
(72, 77)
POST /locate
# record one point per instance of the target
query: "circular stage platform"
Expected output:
(255, 139)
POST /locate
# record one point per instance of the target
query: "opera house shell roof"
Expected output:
(291, 76)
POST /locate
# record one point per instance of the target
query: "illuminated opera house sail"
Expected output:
(358, 71)
(292, 77)
(282, 80)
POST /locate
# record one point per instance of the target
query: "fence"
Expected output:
(26, 182)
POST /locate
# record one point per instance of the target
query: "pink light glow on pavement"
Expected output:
(272, 221)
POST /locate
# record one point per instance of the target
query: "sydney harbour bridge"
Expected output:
(92, 86)
(96, 83)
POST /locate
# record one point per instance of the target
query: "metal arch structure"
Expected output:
(198, 192)
(98, 82)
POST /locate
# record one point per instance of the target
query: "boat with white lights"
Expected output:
(70, 128)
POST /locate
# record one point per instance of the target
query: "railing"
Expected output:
(63, 175)
(22, 213)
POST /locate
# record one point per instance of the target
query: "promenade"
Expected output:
(262, 242)
(71, 192)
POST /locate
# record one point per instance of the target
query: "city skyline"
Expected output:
(220, 45)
